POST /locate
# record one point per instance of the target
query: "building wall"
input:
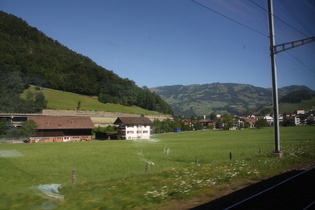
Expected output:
(59, 139)
(138, 132)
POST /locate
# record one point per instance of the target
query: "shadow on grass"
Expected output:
(297, 193)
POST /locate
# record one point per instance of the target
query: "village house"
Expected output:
(269, 119)
(188, 122)
(208, 123)
(61, 129)
(133, 127)
(289, 118)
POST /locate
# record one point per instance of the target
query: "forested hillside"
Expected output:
(220, 98)
(29, 57)
(296, 96)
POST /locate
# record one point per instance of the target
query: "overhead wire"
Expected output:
(258, 32)
(235, 21)
(284, 22)
(231, 19)
(291, 27)
(296, 17)
(300, 62)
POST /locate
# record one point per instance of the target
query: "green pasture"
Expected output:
(56, 100)
(291, 107)
(145, 173)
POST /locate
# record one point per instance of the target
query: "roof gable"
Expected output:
(133, 121)
(56, 122)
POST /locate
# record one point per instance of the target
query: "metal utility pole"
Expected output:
(274, 49)
(277, 152)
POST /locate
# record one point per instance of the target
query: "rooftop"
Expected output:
(61, 122)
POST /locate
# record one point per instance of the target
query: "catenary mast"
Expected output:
(274, 49)
(272, 42)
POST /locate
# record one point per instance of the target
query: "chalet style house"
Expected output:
(61, 129)
(133, 127)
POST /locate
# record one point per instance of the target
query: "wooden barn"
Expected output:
(62, 129)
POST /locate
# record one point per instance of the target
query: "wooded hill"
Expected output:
(221, 98)
(29, 57)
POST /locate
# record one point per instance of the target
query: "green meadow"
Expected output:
(304, 105)
(146, 174)
(56, 100)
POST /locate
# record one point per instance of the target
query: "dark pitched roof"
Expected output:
(55, 122)
(133, 121)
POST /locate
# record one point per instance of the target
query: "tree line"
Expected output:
(11, 86)
(296, 96)
(29, 57)
(8, 131)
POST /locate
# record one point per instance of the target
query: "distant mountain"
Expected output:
(219, 98)
(29, 57)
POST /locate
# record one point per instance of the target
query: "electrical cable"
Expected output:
(300, 62)
(291, 27)
(235, 21)
(279, 19)
(231, 19)
(296, 17)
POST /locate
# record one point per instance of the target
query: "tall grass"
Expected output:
(112, 174)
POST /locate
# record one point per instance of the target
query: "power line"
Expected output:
(235, 21)
(231, 19)
(258, 5)
(291, 27)
(279, 19)
(296, 17)
(300, 62)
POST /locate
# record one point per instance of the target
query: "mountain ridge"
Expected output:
(232, 98)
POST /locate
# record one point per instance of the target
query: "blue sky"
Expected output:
(172, 42)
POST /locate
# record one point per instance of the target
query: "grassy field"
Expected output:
(148, 173)
(60, 100)
(292, 107)
(304, 105)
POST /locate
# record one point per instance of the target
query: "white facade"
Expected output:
(269, 119)
(300, 112)
(137, 132)
(133, 127)
(297, 120)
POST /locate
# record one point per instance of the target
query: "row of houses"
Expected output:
(79, 128)
(300, 117)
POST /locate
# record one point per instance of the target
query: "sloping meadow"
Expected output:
(147, 173)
